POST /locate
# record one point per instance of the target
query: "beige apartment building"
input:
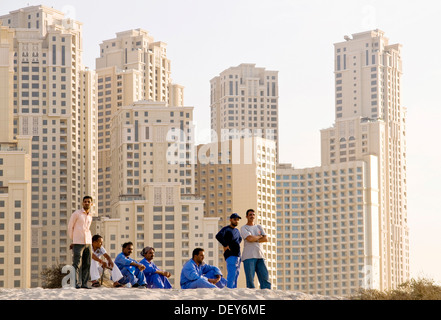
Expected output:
(51, 98)
(327, 228)
(234, 176)
(131, 67)
(15, 212)
(153, 201)
(245, 98)
(368, 136)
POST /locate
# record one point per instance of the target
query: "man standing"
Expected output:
(196, 274)
(155, 278)
(130, 268)
(79, 232)
(253, 256)
(229, 237)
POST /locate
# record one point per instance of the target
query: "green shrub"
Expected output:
(414, 289)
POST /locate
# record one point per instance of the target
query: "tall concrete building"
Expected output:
(51, 98)
(130, 68)
(245, 98)
(367, 206)
(236, 175)
(153, 202)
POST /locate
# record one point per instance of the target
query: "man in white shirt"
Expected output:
(253, 257)
(98, 265)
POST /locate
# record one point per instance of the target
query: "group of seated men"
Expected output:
(145, 274)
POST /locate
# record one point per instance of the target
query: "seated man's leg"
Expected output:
(116, 273)
(158, 281)
(95, 270)
(221, 283)
(128, 275)
(200, 283)
(140, 276)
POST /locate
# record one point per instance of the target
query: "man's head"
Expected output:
(127, 248)
(148, 253)
(234, 220)
(87, 203)
(97, 241)
(198, 255)
(251, 216)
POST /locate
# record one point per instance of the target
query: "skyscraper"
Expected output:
(245, 98)
(368, 87)
(130, 68)
(153, 202)
(350, 214)
(236, 175)
(51, 103)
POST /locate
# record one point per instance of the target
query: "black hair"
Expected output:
(126, 244)
(196, 251)
(88, 197)
(250, 210)
(96, 237)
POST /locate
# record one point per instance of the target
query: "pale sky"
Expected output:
(296, 38)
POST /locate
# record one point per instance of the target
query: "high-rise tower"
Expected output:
(130, 68)
(343, 225)
(368, 72)
(52, 100)
(245, 99)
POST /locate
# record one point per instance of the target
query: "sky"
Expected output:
(295, 38)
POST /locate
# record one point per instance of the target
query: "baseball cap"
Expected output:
(235, 215)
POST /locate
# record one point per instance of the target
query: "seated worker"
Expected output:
(130, 268)
(196, 274)
(98, 265)
(155, 278)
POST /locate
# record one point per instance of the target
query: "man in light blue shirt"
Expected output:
(196, 274)
(130, 268)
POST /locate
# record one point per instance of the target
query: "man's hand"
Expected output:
(166, 274)
(140, 266)
(214, 281)
(227, 248)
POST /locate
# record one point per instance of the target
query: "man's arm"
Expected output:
(259, 238)
(70, 226)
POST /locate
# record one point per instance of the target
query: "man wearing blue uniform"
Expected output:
(155, 278)
(130, 268)
(229, 237)
(196, 274)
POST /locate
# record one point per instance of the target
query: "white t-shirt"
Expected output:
(100, 251)
(252, 250)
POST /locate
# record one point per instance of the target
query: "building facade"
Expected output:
(152, 198)
(49, 101)
(245, 98)
(368, 139)
(131, 67)
(234, 176)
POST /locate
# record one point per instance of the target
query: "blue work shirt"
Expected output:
(122, 261)
(192, 272)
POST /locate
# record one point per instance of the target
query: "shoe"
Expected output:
(85, 287)
(117, 285)
(96, 284)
